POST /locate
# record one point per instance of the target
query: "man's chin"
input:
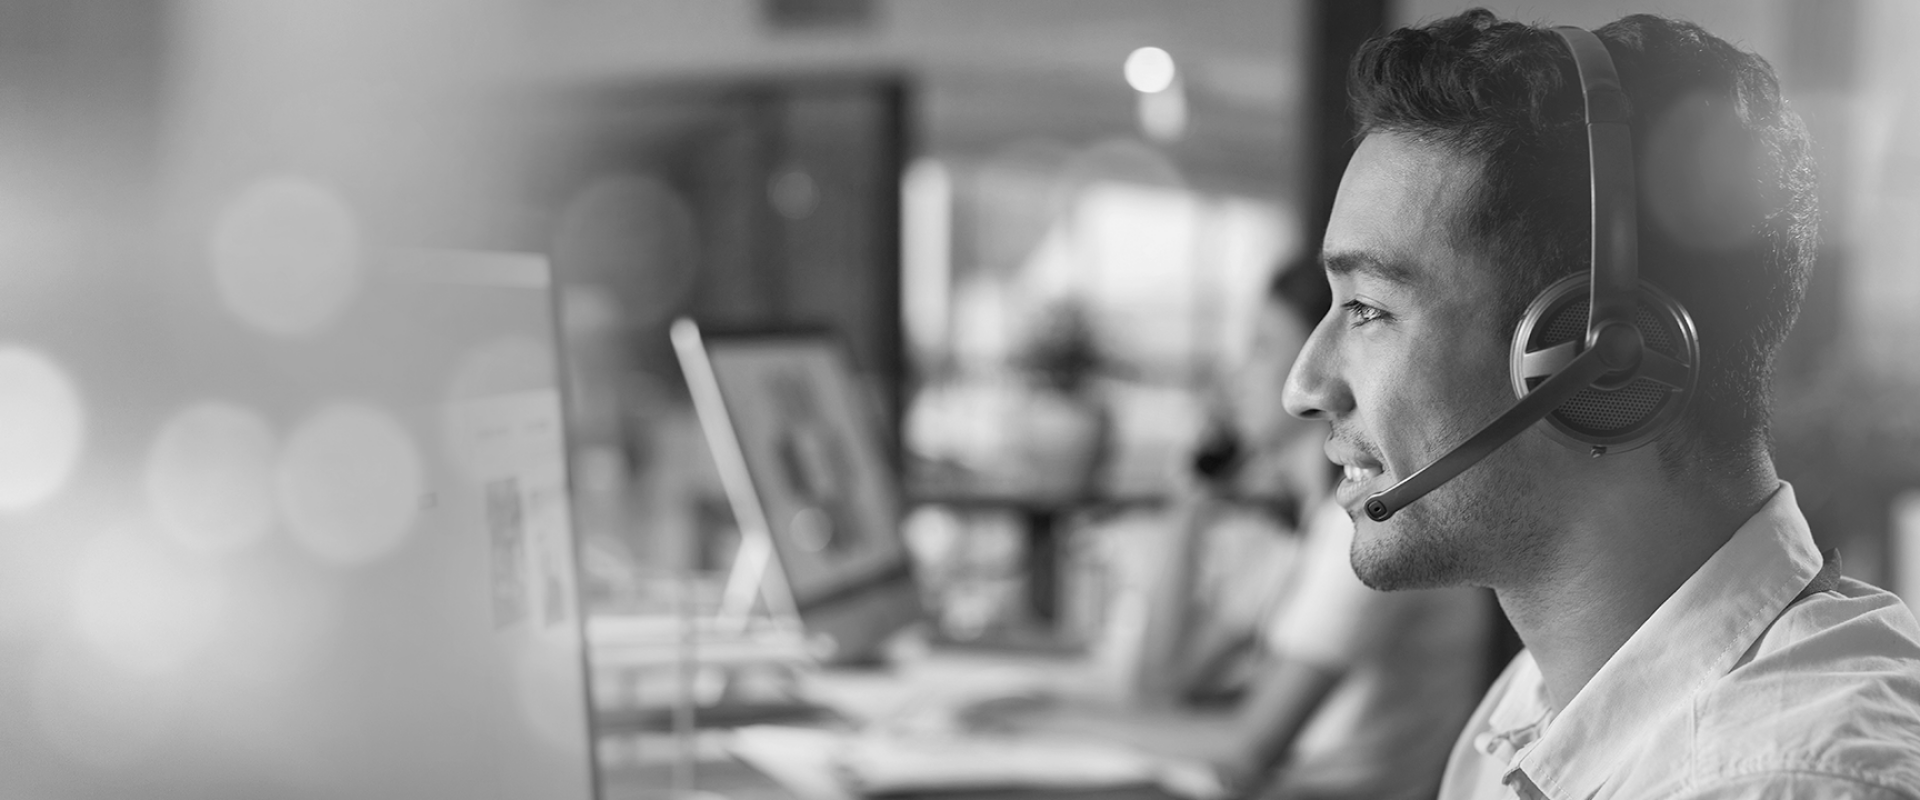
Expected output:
(1392, 580)
(1388, 559)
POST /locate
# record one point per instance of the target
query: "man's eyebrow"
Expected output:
(1355, 262)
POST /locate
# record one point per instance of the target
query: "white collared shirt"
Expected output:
(1730, 690)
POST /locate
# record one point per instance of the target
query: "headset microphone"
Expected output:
(1630, 375)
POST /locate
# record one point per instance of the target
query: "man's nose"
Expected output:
(1315, 388)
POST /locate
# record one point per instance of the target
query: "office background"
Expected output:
(1037, 226)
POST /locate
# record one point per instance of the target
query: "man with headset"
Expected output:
(1684, 637)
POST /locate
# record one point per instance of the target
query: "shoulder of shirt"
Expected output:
(1853, 629)
(1829, 692)
(1790, 782)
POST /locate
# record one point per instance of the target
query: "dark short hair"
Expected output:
(1299, 285)
(1508, 95)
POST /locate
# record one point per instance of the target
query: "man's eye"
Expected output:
(1359, 313)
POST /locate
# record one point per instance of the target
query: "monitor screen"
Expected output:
(291, 541)
(805, 468)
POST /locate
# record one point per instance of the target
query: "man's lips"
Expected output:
(1356, 485)
(1360, 472)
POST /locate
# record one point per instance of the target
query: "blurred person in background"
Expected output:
(1684, 636)
(1257, 652)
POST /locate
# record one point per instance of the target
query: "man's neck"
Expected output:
(1617, 566)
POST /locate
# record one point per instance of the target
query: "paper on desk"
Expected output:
(903, 765)
(803, 760)
(825, 765)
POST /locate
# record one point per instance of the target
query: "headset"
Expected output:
(1607, 359)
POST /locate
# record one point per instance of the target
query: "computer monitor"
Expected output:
(804, 466)
(290, 541)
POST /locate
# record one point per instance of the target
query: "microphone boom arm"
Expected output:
(1576, 376)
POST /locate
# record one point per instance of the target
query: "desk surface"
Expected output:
(919, 683)
(732, 780)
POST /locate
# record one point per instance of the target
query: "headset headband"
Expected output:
(1616, 245)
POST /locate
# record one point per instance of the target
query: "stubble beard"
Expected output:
(1469, 532)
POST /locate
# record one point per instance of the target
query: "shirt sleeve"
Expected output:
(1330, 618)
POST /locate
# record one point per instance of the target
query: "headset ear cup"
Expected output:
(1553, 329)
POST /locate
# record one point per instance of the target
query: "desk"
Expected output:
(732, 780)
(725, 777)
(926, 679)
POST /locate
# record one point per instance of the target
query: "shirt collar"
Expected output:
(1520, 714)
(1696, 635)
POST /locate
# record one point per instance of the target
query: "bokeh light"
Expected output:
(42, 426)
(209, 477)
(96, 714)
(587, 310)
(287, 256)
(1149, 70)
(268, 690)
(349, 483)
(794, 193)
(35, 565)
(141, 606)
(635, 235)
(811, 529)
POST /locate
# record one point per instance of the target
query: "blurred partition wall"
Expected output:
(1097, 198)
(1090, 223)
(1100, 258)
(745, 204)
(1129, 169)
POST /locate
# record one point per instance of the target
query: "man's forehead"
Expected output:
(1386, 267)
(1394, 215)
